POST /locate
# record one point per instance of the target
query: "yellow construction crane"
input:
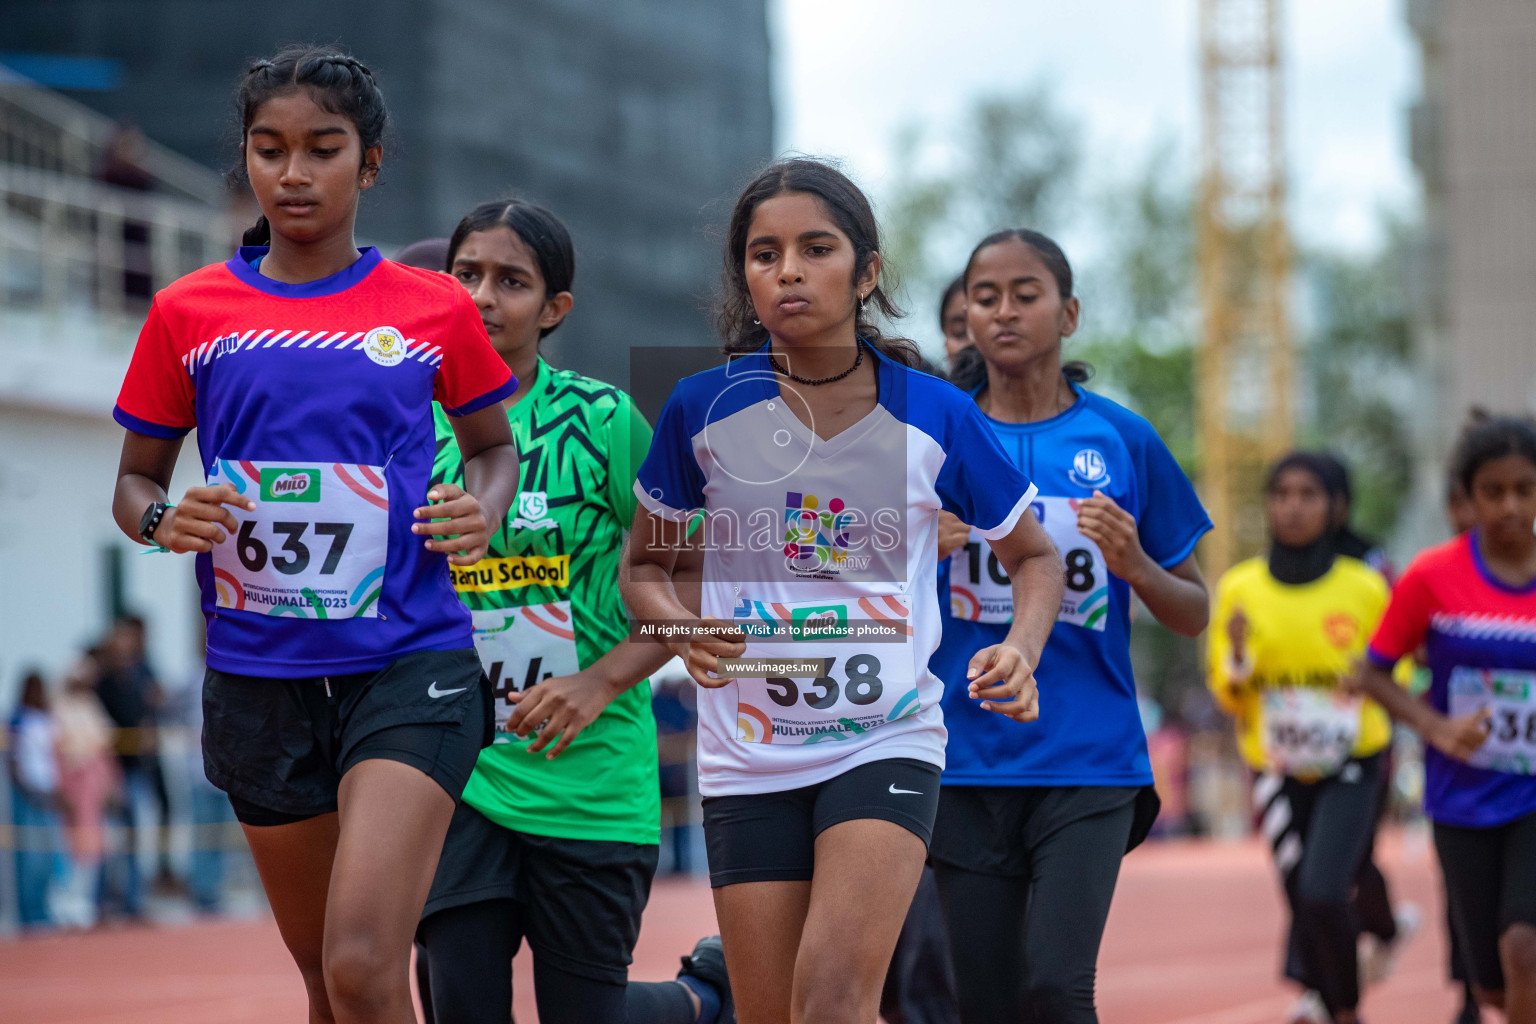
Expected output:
(1245, 365)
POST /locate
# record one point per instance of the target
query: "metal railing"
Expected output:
(46, 131)
(80, 256)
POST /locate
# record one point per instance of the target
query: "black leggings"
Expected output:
(920, 984)
(1373, 902)
(1490, 885)
(1373, 914)
(1321, 834)
(470, 977)
(1026, 948)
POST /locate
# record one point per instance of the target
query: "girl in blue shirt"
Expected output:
(1032, 822)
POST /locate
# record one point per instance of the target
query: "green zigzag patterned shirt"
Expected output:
(545, 601)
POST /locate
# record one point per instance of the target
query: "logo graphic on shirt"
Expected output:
(1341, 629)
(825, 622)
(815, 539)
(384, 345)
(290, 484)
(533, 511)
(1089, 469)
(532, 504)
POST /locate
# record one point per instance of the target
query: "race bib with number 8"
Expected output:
(979, 590)
(1510, 697)
(520, 647)
(865, 687)
(1085, 598)
(315, 545)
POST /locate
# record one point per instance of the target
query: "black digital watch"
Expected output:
(150, 521)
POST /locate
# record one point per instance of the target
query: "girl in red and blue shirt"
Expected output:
(344, 705)
(1471, 603)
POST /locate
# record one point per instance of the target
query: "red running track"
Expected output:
(1194, 938)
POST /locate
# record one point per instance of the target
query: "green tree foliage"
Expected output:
(1356, 367)
(1011, 161)
(1140, 313)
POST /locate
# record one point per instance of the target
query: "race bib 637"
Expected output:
(315, 545)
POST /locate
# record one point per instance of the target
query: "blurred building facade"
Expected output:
(1473, 138)
(635, 121)
(91, 218)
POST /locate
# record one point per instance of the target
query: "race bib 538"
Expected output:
(315, 545)
(865, 686)
(1510, 697)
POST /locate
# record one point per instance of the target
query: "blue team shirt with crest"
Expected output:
(1089, 731)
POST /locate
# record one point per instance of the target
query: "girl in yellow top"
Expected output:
(1288, 628)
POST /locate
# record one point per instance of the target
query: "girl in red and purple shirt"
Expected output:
(1471, 603)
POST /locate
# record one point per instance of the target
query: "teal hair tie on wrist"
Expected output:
(158, 549)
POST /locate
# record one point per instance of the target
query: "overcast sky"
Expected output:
(850, 73)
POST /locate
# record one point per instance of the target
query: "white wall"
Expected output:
(57, 472)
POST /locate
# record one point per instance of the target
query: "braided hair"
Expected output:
(338, 83)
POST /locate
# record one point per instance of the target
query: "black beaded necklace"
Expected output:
(858, 360)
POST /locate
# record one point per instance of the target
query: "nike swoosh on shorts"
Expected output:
(434, 692)
(914, 792)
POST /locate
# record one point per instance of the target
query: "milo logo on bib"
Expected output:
(290, 485)
(819, 623)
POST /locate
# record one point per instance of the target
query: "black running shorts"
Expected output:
(1490, 884)
(577, 901)
(995, 830)
(771, 837)
(279, 747)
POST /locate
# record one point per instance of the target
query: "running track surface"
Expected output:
(1193, 938)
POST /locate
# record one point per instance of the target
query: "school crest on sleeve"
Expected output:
(384, 345)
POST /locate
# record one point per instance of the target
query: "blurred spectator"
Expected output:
(209, 811)
(1168, 750)
(672, 703)
(122, 165)
(88, 779)
(132, 697)
(34, 788)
